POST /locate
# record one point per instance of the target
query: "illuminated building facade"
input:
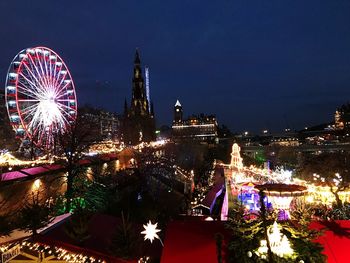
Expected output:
(342, 117)
(202, 128)
(105, 124)
(138, 120)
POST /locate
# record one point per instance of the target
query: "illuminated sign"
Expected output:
(10, 254)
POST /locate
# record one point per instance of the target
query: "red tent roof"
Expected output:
(335, 239)
(191, 240)
(101, 230)
(84, 161)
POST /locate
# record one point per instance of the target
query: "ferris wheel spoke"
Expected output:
(32, 76)
(28, 112)
(27, 92)
(66, 113)
(23, 84)
(47, 75)
(35, 73)
(60, 81)
(37, 70)
(51, 76)
(62, 89)
(29, 100)
(64, 120)
(46, 70)
(36, 88)
(26, 79)
(43, 74)
(54, 69)
(36, 121)
(40, 134)
(63, 106)
(62, 95)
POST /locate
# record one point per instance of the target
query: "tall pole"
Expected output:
(263, 214)
(147, 89)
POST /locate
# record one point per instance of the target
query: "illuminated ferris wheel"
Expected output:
(40, 96)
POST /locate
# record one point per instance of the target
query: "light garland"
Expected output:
(7, 159)
(58, 252)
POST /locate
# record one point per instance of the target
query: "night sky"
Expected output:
(255, 64)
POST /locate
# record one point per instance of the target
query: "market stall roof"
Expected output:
(53, 167)
(192, 240)
(84, 161)
(101, 229)
(35, 170)
(12, 176)
(219, 182)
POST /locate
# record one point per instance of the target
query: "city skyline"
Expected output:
(256, 66)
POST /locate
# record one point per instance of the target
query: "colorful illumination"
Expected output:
(279, 243)
(40, 95)
(236, 159)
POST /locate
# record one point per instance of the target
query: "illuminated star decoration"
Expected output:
(150, 231)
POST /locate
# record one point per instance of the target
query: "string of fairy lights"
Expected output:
(57, 252)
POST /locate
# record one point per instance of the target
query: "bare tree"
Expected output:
(332, 169)
(72, 143)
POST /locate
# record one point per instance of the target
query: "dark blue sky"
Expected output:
(255, 64)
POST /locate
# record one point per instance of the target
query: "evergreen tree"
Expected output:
(125, 239)
(246, 234)
(34, 215)
(77, 227)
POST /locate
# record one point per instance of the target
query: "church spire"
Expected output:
(137, 59)
(138, 123)
(139, 103)
(125, 108)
